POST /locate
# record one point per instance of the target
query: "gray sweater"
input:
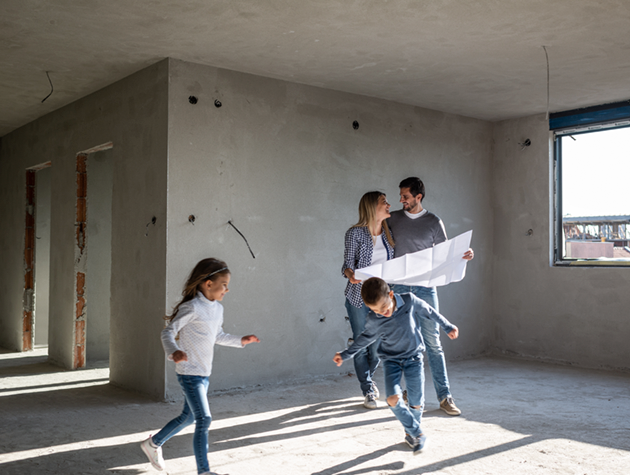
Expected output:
(400, 334)
(412, 235)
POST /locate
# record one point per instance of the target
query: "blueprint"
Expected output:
(433, 267)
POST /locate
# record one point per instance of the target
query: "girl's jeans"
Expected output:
(366, 360)
(431, 336)
(197, 410)
(412, 369)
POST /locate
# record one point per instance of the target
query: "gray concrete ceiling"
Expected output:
(478, 58)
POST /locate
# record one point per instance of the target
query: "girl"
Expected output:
(368, 242)
(198, 321)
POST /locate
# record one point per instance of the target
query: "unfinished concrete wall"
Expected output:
(133, 115)
(572, 315)
(42, 255)
(283, 162)
(99, 262)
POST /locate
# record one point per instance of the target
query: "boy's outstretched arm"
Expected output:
(246, 340)
(454, 333)
(338, 359)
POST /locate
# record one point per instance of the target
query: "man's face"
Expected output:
(385, 306)
(408, 201)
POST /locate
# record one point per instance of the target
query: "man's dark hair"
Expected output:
(374, 290)
(415, 186)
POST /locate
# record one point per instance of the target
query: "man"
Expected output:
(414, 229)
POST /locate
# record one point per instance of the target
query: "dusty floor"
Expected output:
(519, 418)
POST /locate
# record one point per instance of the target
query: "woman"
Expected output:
(368, 242)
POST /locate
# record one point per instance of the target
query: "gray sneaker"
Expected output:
(416, 443)
(370, 401)
(375, 390)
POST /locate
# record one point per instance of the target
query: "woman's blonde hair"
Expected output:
(206, 269)
(367, 214)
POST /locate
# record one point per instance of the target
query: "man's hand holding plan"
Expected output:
(436, 266)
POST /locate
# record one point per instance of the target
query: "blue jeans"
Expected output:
(197, 410)
(431, 336)
(365, 361)
(413, 370)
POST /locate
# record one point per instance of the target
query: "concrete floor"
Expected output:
(518, 417)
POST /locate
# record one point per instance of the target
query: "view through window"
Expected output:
(594, 196)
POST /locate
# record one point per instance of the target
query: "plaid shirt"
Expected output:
(357, 255)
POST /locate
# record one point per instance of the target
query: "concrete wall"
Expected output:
(283, 162)
(132, 114)
(573, 315)
(99, 253)
(42, 255)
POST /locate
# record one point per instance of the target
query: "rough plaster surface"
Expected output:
(133, 115)
(573, 315)
(99, 252)
(478, 58)
(283, 162)
(42, 256)
(76, 423)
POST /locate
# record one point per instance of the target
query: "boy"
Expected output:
(395, 319)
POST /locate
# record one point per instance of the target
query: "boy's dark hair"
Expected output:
(415, 186)
(374, 290)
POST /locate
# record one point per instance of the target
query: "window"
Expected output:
(592, 186)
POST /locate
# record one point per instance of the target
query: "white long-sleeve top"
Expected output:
(199, 323)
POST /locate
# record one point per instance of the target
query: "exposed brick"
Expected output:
(30, 195)
(30, 221)
(79, 356)
(81, 185)
(80, 307)
(80, 283)
(80, 332)
(27, 321)
(29, 239)
(27, 333)
(81, 237)
(28, 279)
(79, 347)
(30, 177)
(28, 257)
(81, 163)
(81, 210)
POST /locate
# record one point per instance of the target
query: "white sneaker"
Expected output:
(153, 453)
(370, 401)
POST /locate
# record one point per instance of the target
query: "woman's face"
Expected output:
(382, 208)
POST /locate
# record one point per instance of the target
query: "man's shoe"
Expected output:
(154, 454)
(375, 390)
(416, 443)
(370, 401)
(448, 405)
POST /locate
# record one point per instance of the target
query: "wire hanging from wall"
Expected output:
(51, 87)
(244, 238)
(547, 57)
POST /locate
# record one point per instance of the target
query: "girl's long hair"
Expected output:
(206, 269)
(367, 214)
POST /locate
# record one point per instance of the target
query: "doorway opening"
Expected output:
(93, 256)
(36, 258)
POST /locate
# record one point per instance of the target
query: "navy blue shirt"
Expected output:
(400, 334)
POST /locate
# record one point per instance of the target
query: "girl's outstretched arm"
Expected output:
(246, 340)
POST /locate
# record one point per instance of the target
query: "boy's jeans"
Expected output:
(365, 361)
(413, 370)
(196, 409)
(431, 336)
